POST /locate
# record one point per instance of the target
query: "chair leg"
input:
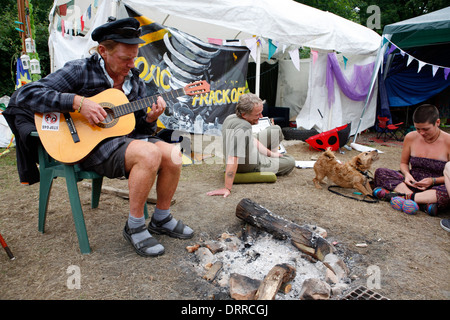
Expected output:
(45, 186)
(77, 211)
(96, 191)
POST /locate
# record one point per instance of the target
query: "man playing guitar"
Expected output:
(70, 90)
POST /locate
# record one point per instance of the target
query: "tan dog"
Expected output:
(352, 174)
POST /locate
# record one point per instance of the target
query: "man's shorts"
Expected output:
(114, 166)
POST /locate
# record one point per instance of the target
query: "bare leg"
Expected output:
(427, 196)
(142, 161)
(166, 185)
(168, 175)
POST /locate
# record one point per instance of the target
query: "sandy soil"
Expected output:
(412, 252)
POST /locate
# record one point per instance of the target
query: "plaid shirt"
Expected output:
(85, 77)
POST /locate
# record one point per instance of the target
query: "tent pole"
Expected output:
(114, 7)
(377, 66)
(258, 67)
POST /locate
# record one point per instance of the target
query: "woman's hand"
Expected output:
(225, 192)
(424, 184)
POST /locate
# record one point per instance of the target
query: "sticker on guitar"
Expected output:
(51, 121)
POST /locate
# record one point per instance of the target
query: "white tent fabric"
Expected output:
(285, 21)
(316, 112)
(66, 47)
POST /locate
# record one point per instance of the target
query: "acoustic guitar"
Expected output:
(69, 138)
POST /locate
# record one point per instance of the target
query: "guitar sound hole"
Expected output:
(109, 121)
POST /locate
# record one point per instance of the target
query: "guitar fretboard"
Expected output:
(144, 103)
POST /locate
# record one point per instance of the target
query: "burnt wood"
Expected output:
(301, 237)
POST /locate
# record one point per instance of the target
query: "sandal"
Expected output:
(177, 232)
(141, 246)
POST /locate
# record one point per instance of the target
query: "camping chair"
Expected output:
(50, 169)
(389, 131)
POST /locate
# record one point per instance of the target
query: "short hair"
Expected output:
(110, 45)
(246, 103)
(426, 113)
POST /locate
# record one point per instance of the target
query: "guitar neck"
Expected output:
(144, 103)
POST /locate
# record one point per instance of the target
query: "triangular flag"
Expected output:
(435, 69)
(345, 62)
(446, 72)
(402, 52)
(410, 58)
(89, 12)
(391, 49)
(63, 30)
(421, 64)
(314, 56)
(272, 48)
(294, 54)
(251, 44)
(62, 9)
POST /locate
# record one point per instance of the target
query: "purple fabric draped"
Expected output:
(358, 86)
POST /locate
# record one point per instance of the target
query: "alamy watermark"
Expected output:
(374, 277)
(374, 20)
(74, 278)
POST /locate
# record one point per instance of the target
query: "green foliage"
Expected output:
(392, 12)
(11, 44)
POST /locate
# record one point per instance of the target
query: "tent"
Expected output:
(286, 23)
(412, 63)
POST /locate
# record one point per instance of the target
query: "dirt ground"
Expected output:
(412, 252)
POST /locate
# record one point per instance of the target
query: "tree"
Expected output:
(390, 11)
(10, 41)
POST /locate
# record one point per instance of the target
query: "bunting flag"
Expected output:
(63, 9)
(314, 54)
(295, 57)
(411, 58)
(82, 23)
(252, 46)
(272, 48)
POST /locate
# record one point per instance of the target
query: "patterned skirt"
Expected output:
(420, 168)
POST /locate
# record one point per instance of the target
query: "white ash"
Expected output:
(255, 260)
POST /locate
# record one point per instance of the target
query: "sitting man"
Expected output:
(141, 157)
(247, 153)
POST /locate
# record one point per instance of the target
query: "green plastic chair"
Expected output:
(50, 169)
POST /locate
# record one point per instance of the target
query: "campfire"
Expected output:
(272, 258)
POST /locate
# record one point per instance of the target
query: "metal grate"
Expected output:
(362, 293)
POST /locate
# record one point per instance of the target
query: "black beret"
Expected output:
(124, 30)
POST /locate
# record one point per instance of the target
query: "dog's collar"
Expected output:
(365, 173)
